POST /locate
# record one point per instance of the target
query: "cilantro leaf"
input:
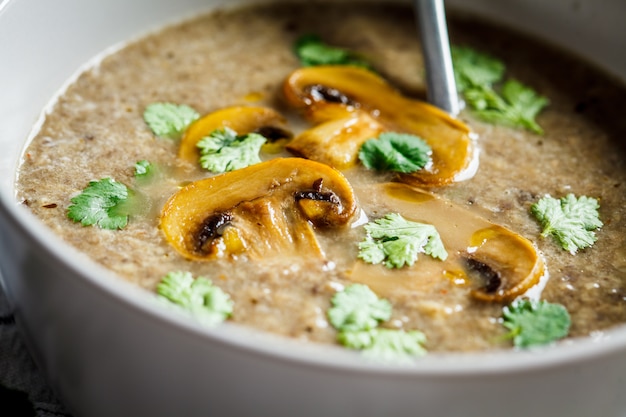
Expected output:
(473, 68)
(99, 204)
(358, 308)
(168, 120)
(224, 151)
(356, 312)
(205, 301)
(385, 344)
(526, 102)
(534, 323)
(143, 168)
(311, 51)
(570, 220)
(398, 152)
(395, 242)
(516, 105)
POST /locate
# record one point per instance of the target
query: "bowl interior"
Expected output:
(44, 59)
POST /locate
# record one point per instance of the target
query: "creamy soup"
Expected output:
(242, 57)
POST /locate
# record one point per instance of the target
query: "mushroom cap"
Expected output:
(241, 119)
(324, 91)
(273, 206)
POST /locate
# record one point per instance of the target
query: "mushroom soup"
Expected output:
(287, 230)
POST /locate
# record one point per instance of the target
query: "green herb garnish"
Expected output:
(223, 150)
(516, 105)
(143, 169)
(311, 51)
(168, 120)
(205, 301)
(396, 242)
(534, 323)
(356, 313)
(385, 344)
(100, 204)
(358, 308)
(570, 220)
(397, 152)
(475, 69)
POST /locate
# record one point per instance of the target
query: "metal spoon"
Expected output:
(441, 87)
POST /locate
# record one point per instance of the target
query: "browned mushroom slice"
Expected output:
(333, 89)
(336, 142)
(241, 119)
(498, 264)
(263, 210)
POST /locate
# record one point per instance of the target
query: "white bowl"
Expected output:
(109, 351)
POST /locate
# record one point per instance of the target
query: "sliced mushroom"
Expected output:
(242, 119)
(336, 142)
(263, 210)
(508, 265)
(497, 264)
(326, 90)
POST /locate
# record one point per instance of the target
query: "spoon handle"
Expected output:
(441, 88)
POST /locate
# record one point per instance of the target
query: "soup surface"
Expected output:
(242, 57)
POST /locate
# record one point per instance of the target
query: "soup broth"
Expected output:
(242, 57)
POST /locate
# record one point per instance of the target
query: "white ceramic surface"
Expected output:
(110, 351)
